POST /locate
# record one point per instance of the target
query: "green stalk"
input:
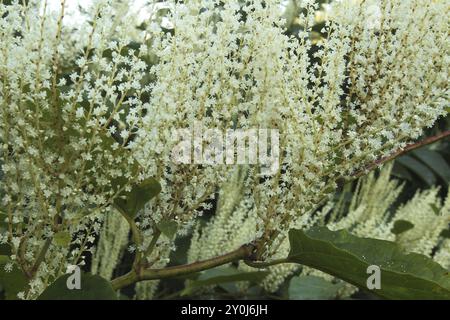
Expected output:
(131, 277)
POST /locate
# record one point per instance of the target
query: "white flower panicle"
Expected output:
(362, 92)
(369, 215)
(113, 240)
(88, 110)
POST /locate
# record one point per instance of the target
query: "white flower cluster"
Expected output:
(70, 99)
(359, 94)
(87, 110)
(368, 215)
(110, 248)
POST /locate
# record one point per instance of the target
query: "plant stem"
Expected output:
(244, 252)
(152, 244)
(370, 166)
(136, 235)
(41, 256)
(398, 153)
(263, 264)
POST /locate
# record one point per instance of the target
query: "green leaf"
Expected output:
(168, 228)
(401, 172)
(62, 238)
(5, 249)
(345, 256)
(435, 161)
(313, 288)
(401, 226)
(93, 287)
(421, 170)
(179, 255)
(130, 203)
(13, 281)
(445, 234)
(435, 209)
(223, 276)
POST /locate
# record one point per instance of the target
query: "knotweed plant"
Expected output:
(367, 214)
(89, 110)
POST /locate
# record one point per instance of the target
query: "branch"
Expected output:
(408, 148)
(357, 174)
(264, 264)
(244, 252)
(41, 256)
